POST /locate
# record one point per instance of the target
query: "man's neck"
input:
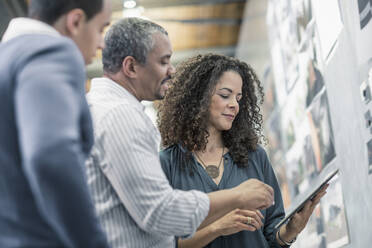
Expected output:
(126, 84)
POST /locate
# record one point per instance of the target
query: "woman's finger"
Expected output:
(251, 221)
(253, 214)
(258, 219)
(317, 198)
(260, 214)
(306, 207)
(242, 226)
(257, 222)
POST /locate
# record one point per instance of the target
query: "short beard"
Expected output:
(158, 96)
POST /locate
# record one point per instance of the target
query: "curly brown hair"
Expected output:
(184, 111)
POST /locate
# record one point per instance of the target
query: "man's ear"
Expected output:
(129, 67)
(74, 20)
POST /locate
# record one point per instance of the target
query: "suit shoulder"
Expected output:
(63, 49)
(59, 50)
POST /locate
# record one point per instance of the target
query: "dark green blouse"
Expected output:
(259, 167)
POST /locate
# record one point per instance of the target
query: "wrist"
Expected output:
(237, 199)
(288, 232)
(214, 230)
(285, 237)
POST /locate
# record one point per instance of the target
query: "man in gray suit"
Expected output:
(45, 125)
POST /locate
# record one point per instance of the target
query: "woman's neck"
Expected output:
(214, 141)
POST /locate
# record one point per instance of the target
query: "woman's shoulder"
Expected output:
(168, 151)
(170, 154)
(259, 153)
(259, 158)
(172, 158)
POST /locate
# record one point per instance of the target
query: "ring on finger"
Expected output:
(249, 221)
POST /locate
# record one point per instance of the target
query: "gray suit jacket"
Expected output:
(45, 135)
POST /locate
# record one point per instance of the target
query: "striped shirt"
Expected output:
(134, 201)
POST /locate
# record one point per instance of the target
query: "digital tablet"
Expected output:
(310, 195)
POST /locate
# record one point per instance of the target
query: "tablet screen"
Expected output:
(310, 195)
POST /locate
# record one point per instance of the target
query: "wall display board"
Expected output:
(328, 20)
(322, 117)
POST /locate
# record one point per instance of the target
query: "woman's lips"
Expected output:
(230, 117)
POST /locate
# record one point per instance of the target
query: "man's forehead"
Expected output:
(162, 46)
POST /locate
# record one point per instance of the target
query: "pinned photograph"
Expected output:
(328, 21)
(321, 131)
(295, 173)
(270, 101)
(304, 15)
(309, 159)
(369, 151)
(274, 136)
(314, 81)
(362, 16)
(335, 221)
(365, 12)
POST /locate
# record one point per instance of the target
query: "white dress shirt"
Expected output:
(134, 201)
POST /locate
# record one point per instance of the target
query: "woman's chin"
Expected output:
(225, 128)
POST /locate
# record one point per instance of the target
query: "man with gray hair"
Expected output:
(135, 203)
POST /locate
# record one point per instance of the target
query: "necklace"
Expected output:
(212, 170)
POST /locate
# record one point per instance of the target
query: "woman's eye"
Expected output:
(224, 96)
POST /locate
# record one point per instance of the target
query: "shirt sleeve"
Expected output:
(133, 168)
(48, 97)
(275, 213)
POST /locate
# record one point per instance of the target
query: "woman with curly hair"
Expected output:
(210, 124)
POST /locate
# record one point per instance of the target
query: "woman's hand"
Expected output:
(298, 222)
(238, 220)
(233, 222)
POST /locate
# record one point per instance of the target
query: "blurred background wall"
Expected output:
(317, 112)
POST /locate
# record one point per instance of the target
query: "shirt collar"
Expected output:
(116, 89)
(21, 26)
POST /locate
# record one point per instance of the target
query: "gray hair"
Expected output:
(128, 37)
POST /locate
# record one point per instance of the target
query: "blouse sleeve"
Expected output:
(275, 213)
(164, 156)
